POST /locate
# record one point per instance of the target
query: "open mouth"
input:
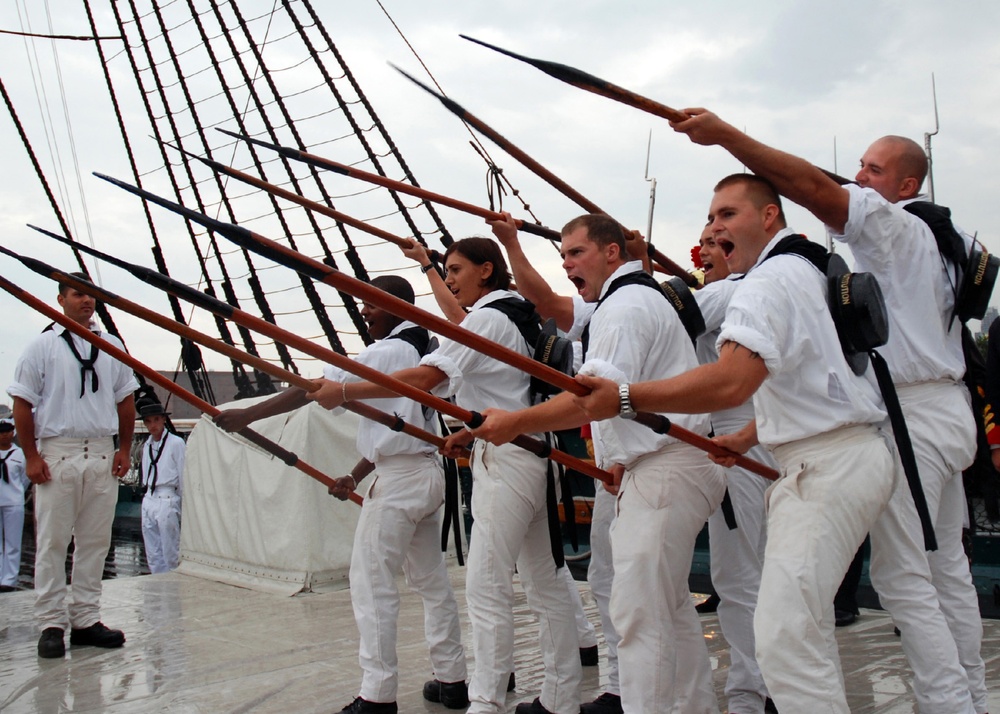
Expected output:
(727, 246)
(706, 266)
(578, 282)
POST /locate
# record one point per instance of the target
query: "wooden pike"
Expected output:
(365, 292)
(399, 186)
(596, 85)
(148, 372)
(367, 411)
(252, 322)
(535, 167)
(320, 208)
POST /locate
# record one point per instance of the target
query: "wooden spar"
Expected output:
(535, 446)
(151, 374)
(399, 186)
(535, 167)
(400, 308)
(596, 85)
(306, 203)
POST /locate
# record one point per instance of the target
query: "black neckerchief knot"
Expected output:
(86, 365)
(153, 471)
(4, 476)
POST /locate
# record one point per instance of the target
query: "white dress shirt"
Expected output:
(12, 490)
(900, 251)
(47, 376)
(476, 380)
(780, 312)
(375, 440)
(636, 336)
(169, 452)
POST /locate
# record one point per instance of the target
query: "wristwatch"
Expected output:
(625, 410)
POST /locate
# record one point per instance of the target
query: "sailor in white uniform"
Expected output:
(162, 469)
(14, 484)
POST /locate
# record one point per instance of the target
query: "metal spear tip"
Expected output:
(50, 234)
(251, 140)
(415, 80)
(501, 50)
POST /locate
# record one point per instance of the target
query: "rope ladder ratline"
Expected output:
(190, 355)
(244, 385)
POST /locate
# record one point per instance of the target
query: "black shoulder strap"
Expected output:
(804, 248)
(418, 337)
(938, 219)
(522, 314)
(639, 277)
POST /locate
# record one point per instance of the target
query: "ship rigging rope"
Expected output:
(494, 174)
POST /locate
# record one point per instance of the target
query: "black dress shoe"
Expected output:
(51, 644)
(453, 695)
(7, 588)
(708, 606)
(363, 706)
(588, 656)
(97, 635)
(843, 618)
(534, 707)
(607, 703)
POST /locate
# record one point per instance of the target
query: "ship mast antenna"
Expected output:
(927, 143)
(652, 190)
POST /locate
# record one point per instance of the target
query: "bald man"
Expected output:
(925, 358)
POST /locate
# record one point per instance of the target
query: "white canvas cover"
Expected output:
(250, 520)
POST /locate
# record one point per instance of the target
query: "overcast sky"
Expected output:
(802, 76)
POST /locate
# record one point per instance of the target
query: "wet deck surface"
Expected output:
(200, 646)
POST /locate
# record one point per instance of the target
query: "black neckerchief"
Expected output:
(153, 461)
(3, 466)
(418, 337)
(86, 365)
(638, 277)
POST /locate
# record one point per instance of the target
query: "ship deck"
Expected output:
(199, 646)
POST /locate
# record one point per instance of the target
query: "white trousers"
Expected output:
(737, 558)
(11, 530)
(399, 531)
(833, 488)
(601, 575)
(664, 501)
(161, 529)
(78, 503)
(585, 633)
(511, 527)
(930, 595)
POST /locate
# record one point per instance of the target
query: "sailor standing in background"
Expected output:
(13, 485)
(162, 468)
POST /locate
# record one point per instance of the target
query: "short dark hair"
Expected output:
(395, 286)
(82, 277)
(761, 191)
(479, 251)
(601, 229)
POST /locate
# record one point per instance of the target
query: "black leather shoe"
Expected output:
(607, 703)
(97, 635)
(843, 618)
(453, 695)
(588, 656)
(534, 707)
(708, 606)
(363, 706)
(51, 644)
